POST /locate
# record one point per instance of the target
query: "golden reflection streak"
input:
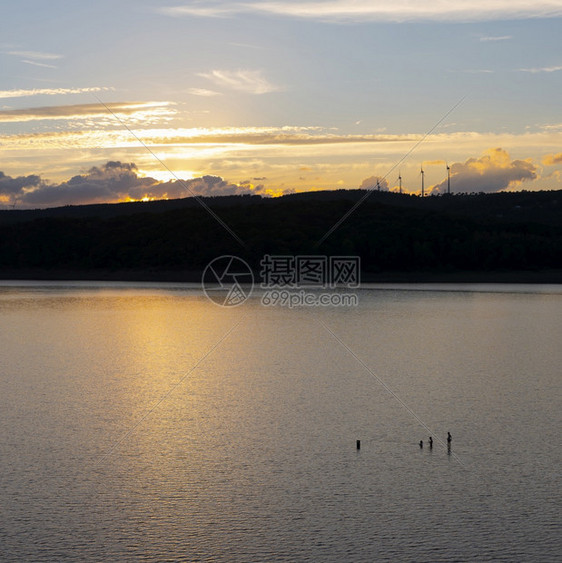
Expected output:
(167, 394)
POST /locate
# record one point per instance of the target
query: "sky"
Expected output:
(115, 101)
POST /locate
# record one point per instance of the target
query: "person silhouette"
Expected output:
(421, 443)
(449, 438)
(430, 442)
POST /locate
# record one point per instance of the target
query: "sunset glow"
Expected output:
(359, 91)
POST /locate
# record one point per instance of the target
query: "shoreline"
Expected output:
(190, 276)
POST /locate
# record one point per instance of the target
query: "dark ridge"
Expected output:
(539, 206)
(108, 210)
(397, 235)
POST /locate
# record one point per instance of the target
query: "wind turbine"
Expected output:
(378, 186)
(399, 182)
(448, 180)
(422, 177)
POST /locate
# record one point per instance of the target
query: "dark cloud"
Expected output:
(14, 186)
(492, 172)
(114, 181)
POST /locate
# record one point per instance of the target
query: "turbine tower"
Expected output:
(422, 176)
(399, 182)
(448, 180)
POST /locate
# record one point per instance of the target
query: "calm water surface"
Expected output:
(142, 422)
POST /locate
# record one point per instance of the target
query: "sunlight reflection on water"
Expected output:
(251, 455)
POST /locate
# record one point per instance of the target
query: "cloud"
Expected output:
(205, 11)
(113, 182)
(249, 81)
(358, 11)
(35, 55)
(205, 186)
(541, 69)
(246, 46)
(13, 186)
(269, 136)
(51, 91)
(35, 63)
(497, 38)
(552, 159)
(552, 127)
(374, 183)
(221, 137)
(34, 58)
(202, 92)
(247, 152)
(492, 172)
(141, 110)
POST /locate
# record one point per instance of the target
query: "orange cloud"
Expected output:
(552, 159)
(492, 172)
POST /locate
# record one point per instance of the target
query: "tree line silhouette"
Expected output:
(390, 232)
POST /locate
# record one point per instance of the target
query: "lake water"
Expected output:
(143, 422)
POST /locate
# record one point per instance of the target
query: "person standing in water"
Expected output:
(449, 438)
(430, 442)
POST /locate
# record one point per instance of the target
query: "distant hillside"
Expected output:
(517, 231)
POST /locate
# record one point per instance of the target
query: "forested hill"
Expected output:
(391, 232)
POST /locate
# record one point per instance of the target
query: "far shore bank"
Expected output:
(189, 276)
